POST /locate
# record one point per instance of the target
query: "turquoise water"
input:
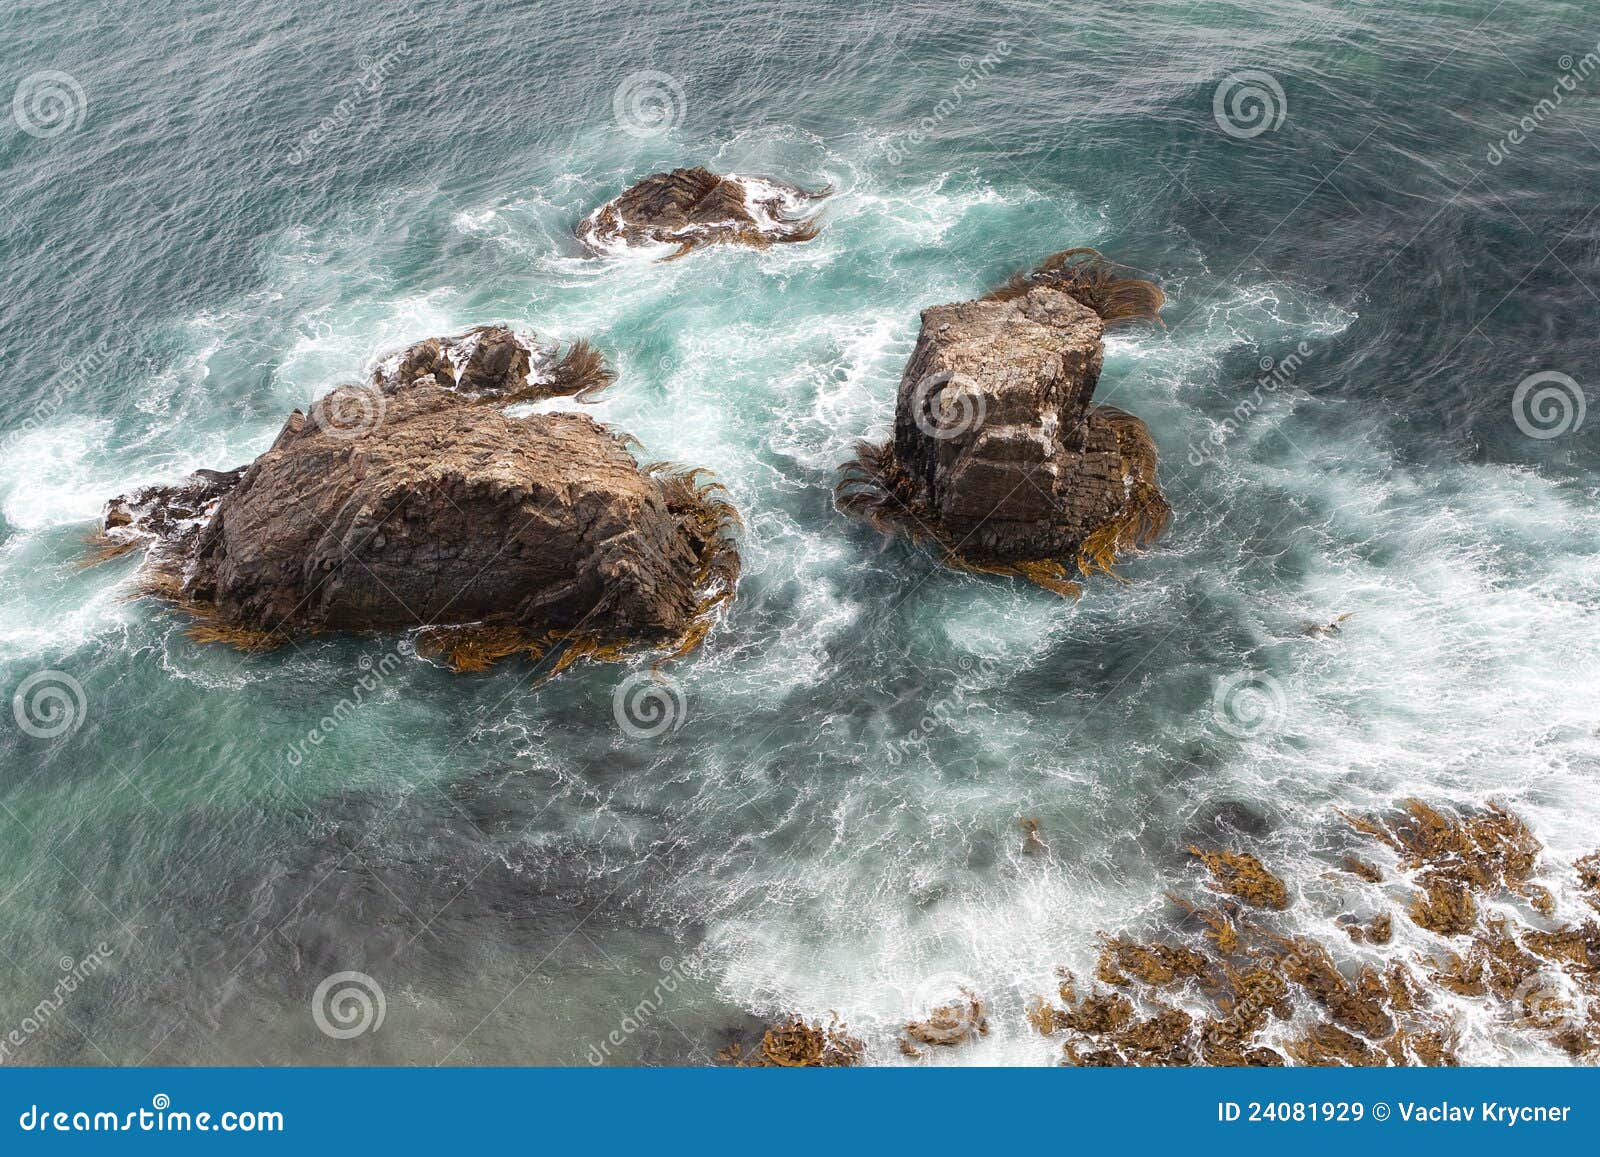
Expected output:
(246, 207)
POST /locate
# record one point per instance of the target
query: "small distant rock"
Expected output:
(691, 208)
(1032, 843)
(1325, 630)
(948, 1025)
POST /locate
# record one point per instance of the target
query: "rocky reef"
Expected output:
(1236, 977)
(691, 208)
(419, 503)
(999, 457)
(1228, 985)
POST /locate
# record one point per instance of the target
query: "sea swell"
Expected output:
(833, 822)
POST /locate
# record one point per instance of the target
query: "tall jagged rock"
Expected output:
(999, 454)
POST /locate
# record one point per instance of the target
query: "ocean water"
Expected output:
(212, 214)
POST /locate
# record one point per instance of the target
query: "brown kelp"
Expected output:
(1241, 874)
(1088, 277)
(1456, 857)
(1144, 514)
(797, 1043)
(947, 1025)
(1226, 987)
(581, 373)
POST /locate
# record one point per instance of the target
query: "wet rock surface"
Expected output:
(495, 363)
(166, 518)
(999, 455)
(691, 208)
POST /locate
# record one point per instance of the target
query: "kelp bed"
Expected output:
(1228, 987)
(1236, 991)
(797, 1043)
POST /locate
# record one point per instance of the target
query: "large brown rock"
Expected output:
(689, 208)
(436, 512)
(999, 455)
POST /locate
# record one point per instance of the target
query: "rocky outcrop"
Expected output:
(494, 363)
(999, 456)
(690, 208)
(165, 519)
(489, 534)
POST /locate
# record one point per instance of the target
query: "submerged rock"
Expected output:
(689, 208)
(492, 534)
(998, 454)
